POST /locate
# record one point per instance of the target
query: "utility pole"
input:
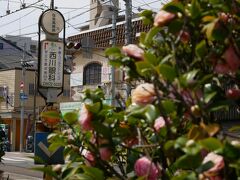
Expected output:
(22, 101)
(52, 4)
(128, 32)
(114, 34)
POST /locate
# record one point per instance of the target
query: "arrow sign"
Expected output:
(43, 153)
(45, 149)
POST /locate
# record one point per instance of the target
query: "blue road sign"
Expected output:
(41, 150)
(23, 96)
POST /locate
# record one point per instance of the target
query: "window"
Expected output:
(1, 45)
(92, 74)
(31, 89)
(33, 48)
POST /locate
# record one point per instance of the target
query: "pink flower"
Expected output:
(145, 167)
(231, 58)
(85, 119)
(233, 93)
(159, 123)
(144, 94)
(218, 164)
(222, 68)
(105, 153)
(163, 17)
(133, 51)
(89, 158)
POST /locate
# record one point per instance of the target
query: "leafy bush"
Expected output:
(187, 68)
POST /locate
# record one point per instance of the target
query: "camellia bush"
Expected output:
(187, 71)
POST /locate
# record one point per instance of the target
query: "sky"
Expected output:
(24, 22)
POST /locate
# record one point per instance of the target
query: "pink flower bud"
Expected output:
(145, 167)
(85, 119)
(133, 51)
(218, 162)
(163, 17)
(231, 58)
(105, 153)
(184, 37)
(144, 94)
(159, 123)
(131, 141)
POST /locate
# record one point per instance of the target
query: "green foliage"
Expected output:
(171, 120)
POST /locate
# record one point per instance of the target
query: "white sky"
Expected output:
(25, 22)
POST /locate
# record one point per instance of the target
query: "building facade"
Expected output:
(91, 67)
(10, 82)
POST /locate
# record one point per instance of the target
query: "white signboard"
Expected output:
(52, 22)
(76, 79)
(51, 66)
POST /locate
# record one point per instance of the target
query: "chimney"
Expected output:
(101, 12)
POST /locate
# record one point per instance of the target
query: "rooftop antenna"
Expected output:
(8, 10)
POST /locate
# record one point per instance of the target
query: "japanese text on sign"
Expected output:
(51, 64)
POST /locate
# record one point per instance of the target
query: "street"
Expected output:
(17, 166)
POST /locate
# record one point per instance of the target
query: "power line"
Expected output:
(17, 18)
(28, 6)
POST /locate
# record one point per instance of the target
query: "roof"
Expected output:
(11, 55)
(15, 46)
(103, 34)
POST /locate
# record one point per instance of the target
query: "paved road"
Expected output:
(17, 166)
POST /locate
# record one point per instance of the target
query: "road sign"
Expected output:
(51, 65)
(23, 96)
(41, 150)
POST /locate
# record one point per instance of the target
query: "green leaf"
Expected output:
(167, 72)
(208, 28)
(47, 170)
(209, 93)
(101, 129)
(151, 113)
(147, 17)
(144, 68)
(189, 161)
(93, 172)
(219, 105)
(188, 77)
(195, 9)
(185, 175)
(151, 58)
(71, 117)
(180, 142)
(235, 128)
(175, 26)
(113, 52)
(201, 49)
(196, 133)
(231, 152)
(150, 35)
(205, 167)
(211, 144)
(94, 108)
(174, 7)
(169, 106)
